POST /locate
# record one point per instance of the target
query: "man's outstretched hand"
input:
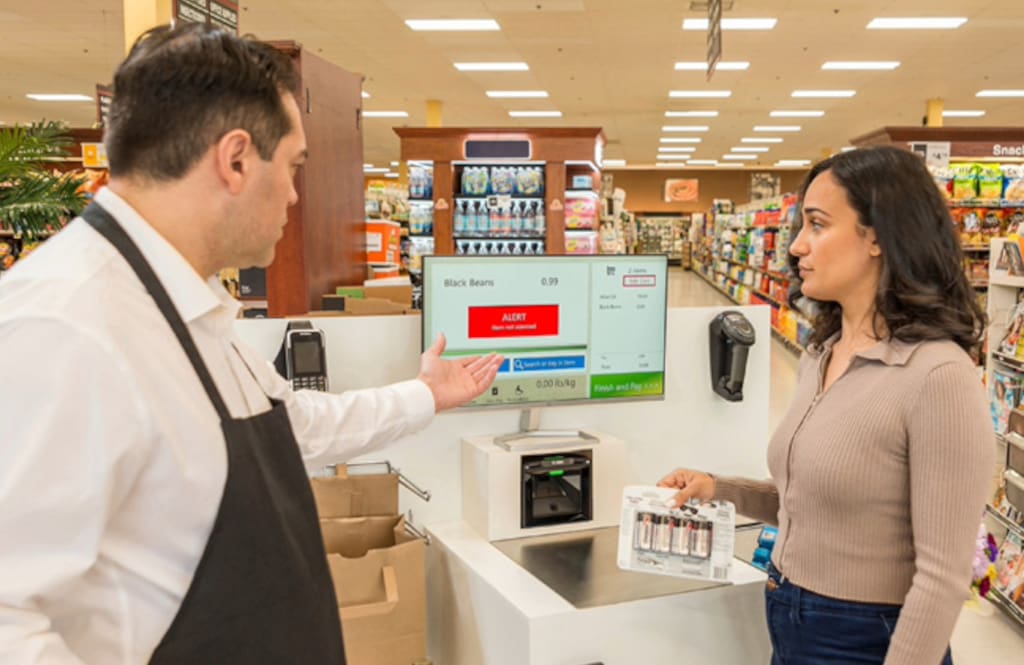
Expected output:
(455, 382)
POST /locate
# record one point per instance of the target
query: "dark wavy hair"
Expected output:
(923, 293)
(182, 88)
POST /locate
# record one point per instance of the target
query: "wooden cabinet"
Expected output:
(323, 242)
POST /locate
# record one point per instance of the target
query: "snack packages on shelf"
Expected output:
(529, 181)
(581, 212)
(503, 179)
(965, 181)
(944, 181)
(1014, 186)
(475, 181)
(421, 182)
(581, 242)
(421, 219)
(990, 182)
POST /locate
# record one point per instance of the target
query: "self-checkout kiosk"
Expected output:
(537, 486)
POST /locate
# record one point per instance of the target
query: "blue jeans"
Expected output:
(808, 629)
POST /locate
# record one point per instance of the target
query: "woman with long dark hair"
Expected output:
(881, 467)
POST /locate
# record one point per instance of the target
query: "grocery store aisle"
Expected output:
(984, 635)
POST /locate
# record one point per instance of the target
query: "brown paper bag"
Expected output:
(378, 575)
(357, 495)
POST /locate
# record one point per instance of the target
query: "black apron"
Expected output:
(262, 593)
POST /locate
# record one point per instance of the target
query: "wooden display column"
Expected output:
(444, 207)
(323, 242)
(554, 201)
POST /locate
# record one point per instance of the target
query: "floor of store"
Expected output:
(984, 635)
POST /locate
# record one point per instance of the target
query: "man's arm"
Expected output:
(336, 428)
(68, 420)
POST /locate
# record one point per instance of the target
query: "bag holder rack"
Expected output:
(404, 481)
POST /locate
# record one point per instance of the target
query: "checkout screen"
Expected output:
(570, 327)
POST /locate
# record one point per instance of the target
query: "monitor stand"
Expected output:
(529, 436)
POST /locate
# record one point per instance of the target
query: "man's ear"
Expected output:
(233, 156)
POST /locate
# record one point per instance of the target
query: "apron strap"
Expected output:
(107, 226)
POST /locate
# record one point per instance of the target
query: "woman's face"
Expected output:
(839, 260)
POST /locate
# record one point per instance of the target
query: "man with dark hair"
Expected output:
(154, 501)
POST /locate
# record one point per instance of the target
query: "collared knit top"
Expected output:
(879, 484)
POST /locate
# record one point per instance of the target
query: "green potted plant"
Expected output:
(34, 200)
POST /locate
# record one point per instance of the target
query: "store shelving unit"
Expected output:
(1004, 293)
(742, 253)
(663, 234)
(560, 154)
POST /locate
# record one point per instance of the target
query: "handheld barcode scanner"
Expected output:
(731, 336)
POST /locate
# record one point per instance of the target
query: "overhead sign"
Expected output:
(104, 93)
(222, 13)
(681, 191)
(714, 35)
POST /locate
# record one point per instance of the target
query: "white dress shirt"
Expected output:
(112, 461)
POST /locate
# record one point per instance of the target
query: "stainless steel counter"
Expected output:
(581, 567)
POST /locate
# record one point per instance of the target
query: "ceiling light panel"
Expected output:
(777, 128)
(701, 162)
(860, 65)
(680, 139)
(453, 25)
(40, 97)
(732, 23)
(919, 23)
(517, 94)
(684, 128)
(793, 162)
(691, 114)
(1000, 93)
(669, 148)
(535, 114)
(492, 66)
(699, 94)
(823, 94)
(952, 113)
(750, 148)
(797, 114)
(702, 66)
(738, 158)
(761, 139)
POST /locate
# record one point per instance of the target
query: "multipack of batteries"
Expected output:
(694, 541)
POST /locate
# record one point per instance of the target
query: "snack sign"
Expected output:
(681, 190)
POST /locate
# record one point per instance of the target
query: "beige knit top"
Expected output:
(879, 484)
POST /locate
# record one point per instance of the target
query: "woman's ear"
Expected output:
(873, 247)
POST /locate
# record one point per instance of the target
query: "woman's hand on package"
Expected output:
(691, 485)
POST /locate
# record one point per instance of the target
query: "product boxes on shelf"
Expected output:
(382, 241)
(695, 541)
(581, 212)
(585, 242)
